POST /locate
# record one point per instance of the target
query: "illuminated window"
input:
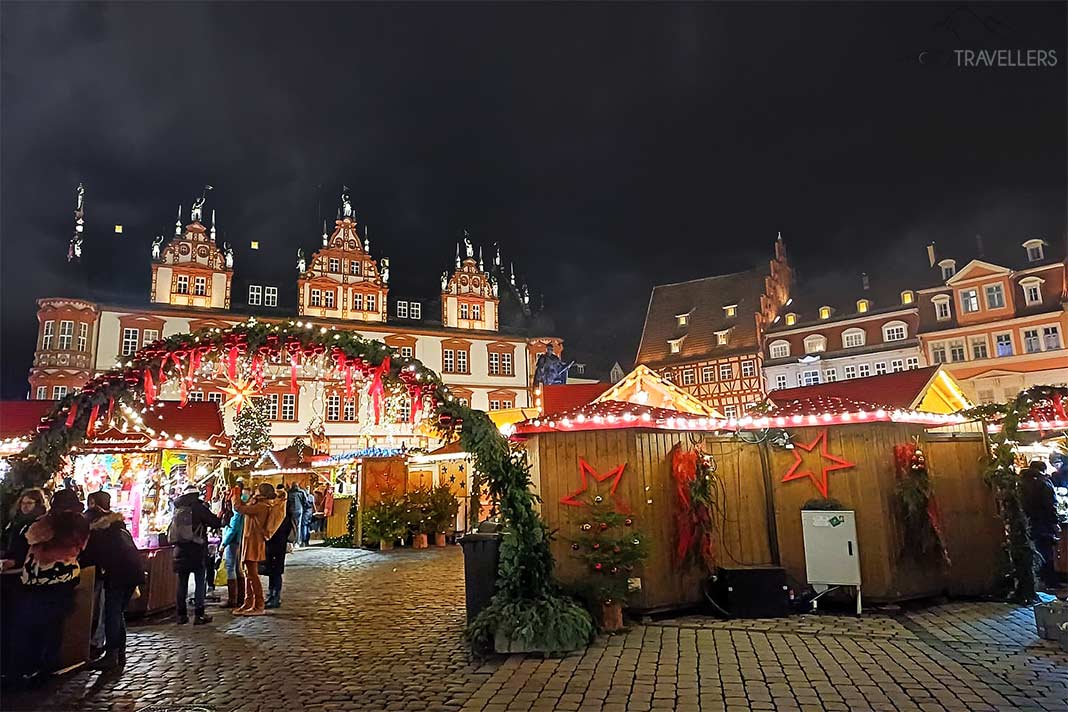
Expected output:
(731, 310)
(200, 286)
(270, 296)
(863, 305)
(181, 284)
(969, 301)
(907, 297)
(255, 245)
(255, 295)
(66, 335)
(675, 345)
(723, 337)
(825, 312)
(791, 319)
(815, 344)
(682, 319)
(47, 335)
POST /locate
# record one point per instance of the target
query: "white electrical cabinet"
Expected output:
(831, 554)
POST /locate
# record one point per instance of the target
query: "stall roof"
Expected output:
(932, 390)
(197, 425)
(292, 459)
(1047, 417)
(555, 399)
(18, 421)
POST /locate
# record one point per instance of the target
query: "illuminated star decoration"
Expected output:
(837, 463)
(586, 472)
(240, 392)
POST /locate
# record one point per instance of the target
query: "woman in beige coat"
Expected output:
(259, 526)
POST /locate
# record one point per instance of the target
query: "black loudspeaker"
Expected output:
(750, 592)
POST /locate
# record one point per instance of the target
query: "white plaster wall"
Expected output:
(163, 285)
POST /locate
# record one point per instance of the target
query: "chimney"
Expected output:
(864, 281)
(979, 245)
(931, 254)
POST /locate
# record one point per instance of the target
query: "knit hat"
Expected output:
(66, 500)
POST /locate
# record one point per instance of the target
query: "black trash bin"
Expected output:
(481, 558)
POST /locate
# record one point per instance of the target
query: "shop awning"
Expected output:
(18, 422)
(168, 425)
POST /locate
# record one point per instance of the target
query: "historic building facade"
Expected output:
(998, 323)
(341, 286)
(827, 343)
(705, 335)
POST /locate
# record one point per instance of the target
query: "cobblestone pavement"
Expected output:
(366, 631)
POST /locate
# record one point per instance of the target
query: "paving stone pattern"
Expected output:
(366, 631)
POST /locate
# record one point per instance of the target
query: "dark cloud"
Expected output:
(606, 147)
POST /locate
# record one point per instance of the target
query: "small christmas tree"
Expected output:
(252, 434)
(611, 547)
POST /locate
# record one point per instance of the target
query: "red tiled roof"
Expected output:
(20, 418)
(201, 422)
(703, 300)
(902, 390)
(565, 397)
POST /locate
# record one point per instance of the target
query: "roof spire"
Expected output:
(457, 255)
(326, 235)
(481, 265)
(178, 222)
(213, 224)
(74, 251)
(367, 239)
(511, 268)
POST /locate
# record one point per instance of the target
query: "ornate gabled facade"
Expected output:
(486, 358)
(191, 271)
(470, 297)
(343, 281)
(706, 334)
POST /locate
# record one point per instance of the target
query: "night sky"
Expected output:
(606, 147)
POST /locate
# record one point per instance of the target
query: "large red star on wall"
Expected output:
(586, 472)
(836, 463)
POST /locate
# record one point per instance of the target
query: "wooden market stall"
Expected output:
(769, 466)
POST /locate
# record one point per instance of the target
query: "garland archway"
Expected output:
(528, 608)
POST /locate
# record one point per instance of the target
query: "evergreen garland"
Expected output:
(999, 474)
(528, 607)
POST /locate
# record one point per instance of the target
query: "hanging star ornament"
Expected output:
(240, 392)
(836, 463)
(586, 472)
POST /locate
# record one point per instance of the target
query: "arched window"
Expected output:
(895, 331)
(779, 349)
(815, 344)
(852, 338)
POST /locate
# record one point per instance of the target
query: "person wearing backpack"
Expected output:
(189, 534)
(111, 549)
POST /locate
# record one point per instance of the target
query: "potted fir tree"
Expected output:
(417, 517)
(385, 522)
(443, 508)
(611, 547)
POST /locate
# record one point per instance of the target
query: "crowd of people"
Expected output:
(1038, 497)
(50, 540)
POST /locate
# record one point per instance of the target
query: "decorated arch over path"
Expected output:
(528, 607)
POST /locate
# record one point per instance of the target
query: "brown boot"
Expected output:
(231, 594)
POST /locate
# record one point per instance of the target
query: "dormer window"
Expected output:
(723, 337)
(942, 308)
(815, 344)
(907, 297)
(731, 310)
(852, 338)
(1032, 289)
(825, 312)
(1035, 250)
(791, 319)
(682, 320)
(675, 345)
(863, 305)
(779, 349)
(948, 267)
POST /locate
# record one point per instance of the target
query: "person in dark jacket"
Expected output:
(275, 563)
(1037, 498)
(111, 549)
(191, 551)
(30, 506)
(295, 505)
